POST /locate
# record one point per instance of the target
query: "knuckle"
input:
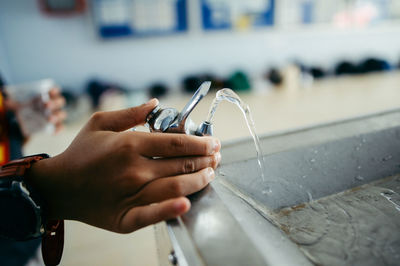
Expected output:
(189, 166)
(96, 117)
(203, 147)
(126, 146)
(203, 179)
(139, 222)
(177, 188)
(135, 177)
(206, 148)
(178, 143)
(141, 176)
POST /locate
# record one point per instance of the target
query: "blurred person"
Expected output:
(12, 139)
(110, 178)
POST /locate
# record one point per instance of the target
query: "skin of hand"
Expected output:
(54, 106)
(123, 180)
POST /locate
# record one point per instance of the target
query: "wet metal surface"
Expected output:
(334, 201)
(360, 226)
(297, 175)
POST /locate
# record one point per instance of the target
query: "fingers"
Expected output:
(55, 104)
(186, 165)
(142, 216)
(177, 186)
(58, 127)
(57, 117)
(177, 145)
(54, 93)
(122, 119)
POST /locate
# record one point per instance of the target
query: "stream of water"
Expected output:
(230, 96)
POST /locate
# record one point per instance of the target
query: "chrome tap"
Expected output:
(169, 120)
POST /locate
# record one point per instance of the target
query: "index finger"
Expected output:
(176, 145)
(55, 92)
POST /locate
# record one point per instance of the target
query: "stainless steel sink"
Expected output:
(334, 200)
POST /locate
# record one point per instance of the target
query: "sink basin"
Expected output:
(331, 196)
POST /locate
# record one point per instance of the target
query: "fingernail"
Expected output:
(180, 206)
(153, 101)
(218, 157)
(216, 145)
(210, 173)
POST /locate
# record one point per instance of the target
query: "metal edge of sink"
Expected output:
(223, 228)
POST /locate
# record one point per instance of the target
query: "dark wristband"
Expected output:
(14, 188)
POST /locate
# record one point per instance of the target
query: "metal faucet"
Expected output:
(169, 120)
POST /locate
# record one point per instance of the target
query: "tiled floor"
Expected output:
(273, 110)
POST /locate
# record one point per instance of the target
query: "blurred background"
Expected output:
(295, 62)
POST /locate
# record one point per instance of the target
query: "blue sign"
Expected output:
(116, 18)
(237, 14)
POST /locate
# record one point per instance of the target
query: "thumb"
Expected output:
(123, 119)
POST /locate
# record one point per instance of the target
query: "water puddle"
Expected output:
(230, 96)
(360, 226)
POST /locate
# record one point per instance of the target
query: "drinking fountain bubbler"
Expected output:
(170, 120)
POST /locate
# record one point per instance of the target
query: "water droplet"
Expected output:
(359, 178)
(310, 198)
(357, 148)
(364, 140)
(388, 193)
(266, 190)
(316, 151)
(301, 186)
(304, 176)
(221, 173)
(387, 158)
(359, 167)
(312, 160)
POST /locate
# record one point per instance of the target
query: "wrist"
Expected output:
(26, 195)
(21, 202)
(41, 177)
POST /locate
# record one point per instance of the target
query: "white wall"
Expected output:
(4, 67)
(68, 49)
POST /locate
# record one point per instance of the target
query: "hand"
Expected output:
(123, 180)
(34, 114)
(54, 106)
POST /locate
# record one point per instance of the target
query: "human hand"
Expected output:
(54, 108)
(36, 110)
(123, 180)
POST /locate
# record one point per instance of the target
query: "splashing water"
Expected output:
(230, 96)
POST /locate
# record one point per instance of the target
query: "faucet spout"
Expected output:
(196, 98)
(169, 120)
(205, 129)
